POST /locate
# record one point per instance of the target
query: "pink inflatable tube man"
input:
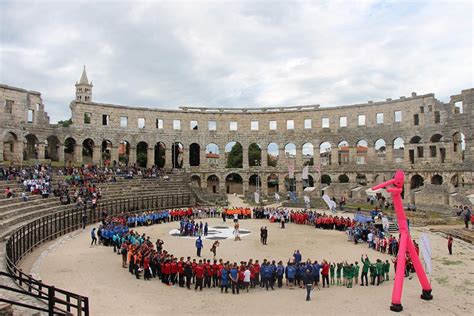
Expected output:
(395, 189)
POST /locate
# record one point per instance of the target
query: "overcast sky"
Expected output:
(228, 54)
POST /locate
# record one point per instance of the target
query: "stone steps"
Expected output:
(15, 220)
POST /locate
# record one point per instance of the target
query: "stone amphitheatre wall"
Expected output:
(432, 141)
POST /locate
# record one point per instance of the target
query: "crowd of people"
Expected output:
(33, 180)
(148, 260)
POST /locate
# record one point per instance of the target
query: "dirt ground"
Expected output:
(96, 272)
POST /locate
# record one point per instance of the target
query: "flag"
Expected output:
(305, 172)
(306, 199)
(257, 198)
(426, 251)
(327, 199)
(293, 196)
(291, 170)
(277, 197)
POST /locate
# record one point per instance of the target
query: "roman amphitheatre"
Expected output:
(143, 159)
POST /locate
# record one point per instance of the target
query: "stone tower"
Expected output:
(84, 88)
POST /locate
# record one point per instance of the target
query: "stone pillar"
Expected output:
(222, 156)
(1, 151)
(352, 155)
(263, 185)
(334, 156)
(97, 155)
(245, 185)
(281, 156)
(298, 159)
(132, 157)
(389, 153)
(406, 154)
(449, 151)
(168, 157)
(245, 157)
(281, 185)
(150, 157)
(61, 154)
(264, 158)
(203, 182)
(371, 156)
(41, 150)
(202, 157)
(78, 153)
(222, 187)
(185, 157)
(316, 157)
(114, 155)
(299, 185)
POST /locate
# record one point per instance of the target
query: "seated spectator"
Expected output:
(24, 196)
(8, 193)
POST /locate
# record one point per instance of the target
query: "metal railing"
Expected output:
(26, 238)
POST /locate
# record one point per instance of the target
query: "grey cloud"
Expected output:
(165, 54)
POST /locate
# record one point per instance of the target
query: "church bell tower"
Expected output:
(84, 88)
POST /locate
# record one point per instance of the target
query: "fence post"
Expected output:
(51, 295)
(86, 306)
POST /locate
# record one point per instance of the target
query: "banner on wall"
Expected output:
(291, 170)
(305, 175)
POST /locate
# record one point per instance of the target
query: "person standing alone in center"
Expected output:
(199, 246)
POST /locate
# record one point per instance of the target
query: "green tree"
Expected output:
(235, 157)
(255, 155)
(65, 123)
(160, 156)
(141, 159)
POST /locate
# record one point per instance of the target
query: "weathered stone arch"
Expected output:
(11, 147)
(212, 183)
(326, 179)
(194, 155)
(31, 149)
(436, 138)
(343, 178)
(380, 146)
(272, 183)
(290, 150)
(142, 154)
(177, 155)
(379, 178)
(361, 179)
(415, 140)
(88, 150)
(255, 183)
(437, 179)
(196, 181)
(416, 181)
(234, 183)
(234, 153)
(52, 148)
(124, 152)
(255, 155)
(69, 150)
(160, 154)
(325, 153)
(273, 153)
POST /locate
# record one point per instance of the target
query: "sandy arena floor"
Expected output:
(96, 272)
